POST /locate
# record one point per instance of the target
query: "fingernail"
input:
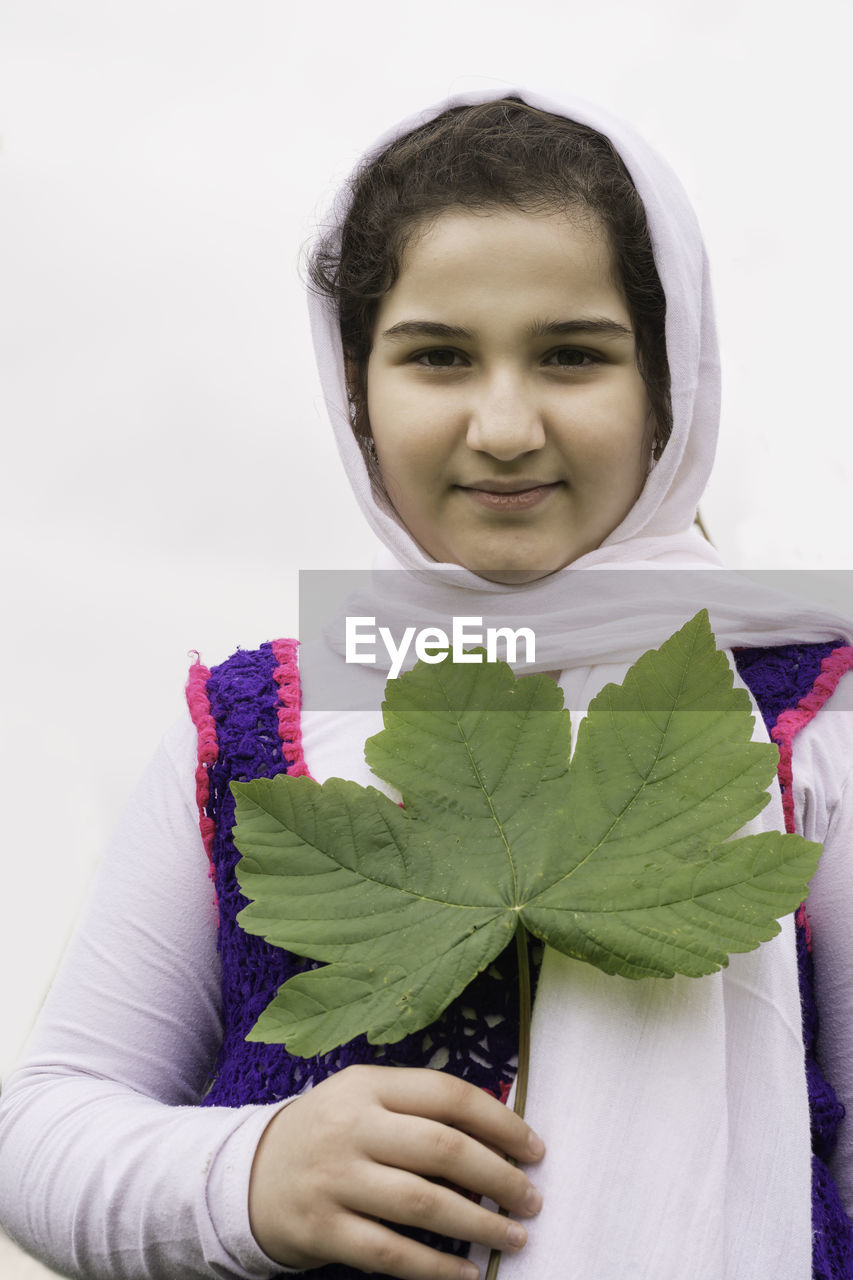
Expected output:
(516, 1236)
(535, 1146)
(468, 1271)
(532, 1201)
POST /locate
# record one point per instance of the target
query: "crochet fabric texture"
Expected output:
(791, 683)
(251, 698)
(247, 711)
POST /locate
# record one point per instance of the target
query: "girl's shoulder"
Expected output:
(792, 682)
(267, 675)
(246, 670)
(246, 709)
(822, 757)
(805, 694)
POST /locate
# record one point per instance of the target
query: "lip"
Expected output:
(510, 495)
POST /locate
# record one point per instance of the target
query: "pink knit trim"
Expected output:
(804, 923)
(790, 722)
(208, 748)
(286, 676)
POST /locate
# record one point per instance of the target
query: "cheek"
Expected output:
(609, 456)
(413, 434)
(415, 481)
(607, 428)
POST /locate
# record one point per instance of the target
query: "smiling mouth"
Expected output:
(514, 499)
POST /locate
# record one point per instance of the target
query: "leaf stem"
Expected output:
(522, 1072)
(523, 1021)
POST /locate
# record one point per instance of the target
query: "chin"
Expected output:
(512, 577)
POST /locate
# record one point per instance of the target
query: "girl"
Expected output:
(514, 328)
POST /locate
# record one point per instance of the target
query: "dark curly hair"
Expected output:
(497, 154)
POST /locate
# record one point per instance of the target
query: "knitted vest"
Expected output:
(247, 712)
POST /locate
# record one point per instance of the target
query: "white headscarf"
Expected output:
(675, 1113)
(574, 619)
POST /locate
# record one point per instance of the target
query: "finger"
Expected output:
(369, 1246)
(440, 1096)
(412, 1201)
(436, 1150)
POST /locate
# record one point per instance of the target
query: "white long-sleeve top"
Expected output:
(108, 1168)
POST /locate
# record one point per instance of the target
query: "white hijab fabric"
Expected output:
(675, 1113)
(574, 624)
(667, 505)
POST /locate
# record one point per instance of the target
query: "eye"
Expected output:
(439, 358)
(571, 358)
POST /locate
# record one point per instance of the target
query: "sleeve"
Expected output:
(108, 1167)
(823, 792)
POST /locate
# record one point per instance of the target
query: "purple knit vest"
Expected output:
(783, 681)
(247, 712)
(475, 1038)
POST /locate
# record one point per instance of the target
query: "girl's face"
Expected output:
(511, 423)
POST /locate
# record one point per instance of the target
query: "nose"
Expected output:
(505, 420)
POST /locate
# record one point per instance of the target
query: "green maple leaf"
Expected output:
(620, 855)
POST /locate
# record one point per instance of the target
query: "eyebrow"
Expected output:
(599, 325)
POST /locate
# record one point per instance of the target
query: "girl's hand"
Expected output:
(376, 1143)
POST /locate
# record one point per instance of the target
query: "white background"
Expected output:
(167, 465)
